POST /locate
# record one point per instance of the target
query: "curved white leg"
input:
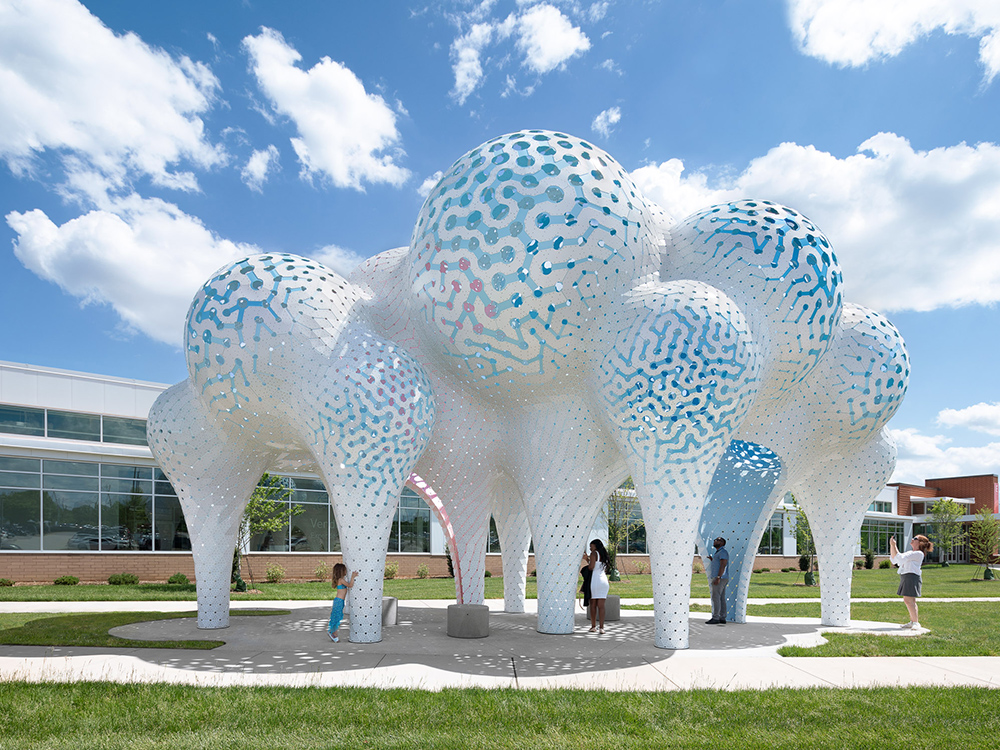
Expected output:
(676, 380)
(741, 501)
(373, 416)
(515, 540)
(565, 470)
(213, 479)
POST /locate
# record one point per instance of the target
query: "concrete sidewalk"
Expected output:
(293, 649)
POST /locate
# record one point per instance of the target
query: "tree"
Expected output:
(804, 543)
(946, 528)
(621, 522)
(984, 534)
(267, 512)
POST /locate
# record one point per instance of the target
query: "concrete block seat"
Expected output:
(468, 621)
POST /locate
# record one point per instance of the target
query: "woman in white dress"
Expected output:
(909, 572)
(599, 585)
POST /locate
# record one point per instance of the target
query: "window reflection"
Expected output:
(74, 426)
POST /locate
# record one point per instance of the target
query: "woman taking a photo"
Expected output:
(909, 572)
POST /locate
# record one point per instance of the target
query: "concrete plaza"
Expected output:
(293, 649)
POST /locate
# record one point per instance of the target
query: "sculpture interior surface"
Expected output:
(547, 333)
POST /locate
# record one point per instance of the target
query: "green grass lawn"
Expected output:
(956, 629)
(952, 581)
(115, 716)
(91, 629)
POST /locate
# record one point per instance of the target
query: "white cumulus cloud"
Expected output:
(344, 132)
(914, 230)
(466, 63)
(981, 417)
(604, 123)
(339, 259)
(545, 38)
(145, 258)
(428, 184)
(548, 39)
(110, 106)
(259, 165)
(854, 32)
(923, 457)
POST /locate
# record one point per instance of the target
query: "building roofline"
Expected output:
(969, 476)
(82, 375)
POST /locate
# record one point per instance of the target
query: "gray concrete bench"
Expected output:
(389, 606)
(468, 620)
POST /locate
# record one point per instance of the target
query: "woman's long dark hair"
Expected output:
(602, 553)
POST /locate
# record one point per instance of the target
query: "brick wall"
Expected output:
(95, 567)
(983, 488)
(904, 493)
(92, 567)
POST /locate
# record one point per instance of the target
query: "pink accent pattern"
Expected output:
(430, 497)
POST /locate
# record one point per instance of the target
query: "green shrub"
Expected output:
(178, 578)
(6, 582)
(884, 564)
(322, 571)
(274, 573)
(698, 568)
(859, 564)
(788, 570)
(423, 571)
(66, 581)
(869, 559)
(123, 579)
(488, 574)
(804, 563)
(391, 570)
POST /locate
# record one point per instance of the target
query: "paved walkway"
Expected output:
(293, 649)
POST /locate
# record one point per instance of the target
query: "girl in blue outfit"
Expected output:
(342, 585)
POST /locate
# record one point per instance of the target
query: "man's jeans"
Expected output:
(718, 598)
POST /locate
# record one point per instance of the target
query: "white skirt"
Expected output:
(599, 585)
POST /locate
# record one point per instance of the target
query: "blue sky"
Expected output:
(143, 145)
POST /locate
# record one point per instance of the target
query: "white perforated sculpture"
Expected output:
(285, 373)
(571, 337)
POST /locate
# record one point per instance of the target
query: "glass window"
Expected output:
(57, 482)
(169, 528)
(124, 519)
(71, 521)
(394, 534)
(20, 519)
(124, 430)
(414, 529)
(9, 463)
(771, 542)
(875, 534)
(120, 471)
(165, 488)
(493, 545)
(71, 467)
(13, 479)
(20, 420)
(300, 483)
(410, 499)
(74, 426)
(142, 486)
(311, 528)
(300, 496)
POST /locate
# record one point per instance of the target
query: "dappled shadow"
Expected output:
(297, 643)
